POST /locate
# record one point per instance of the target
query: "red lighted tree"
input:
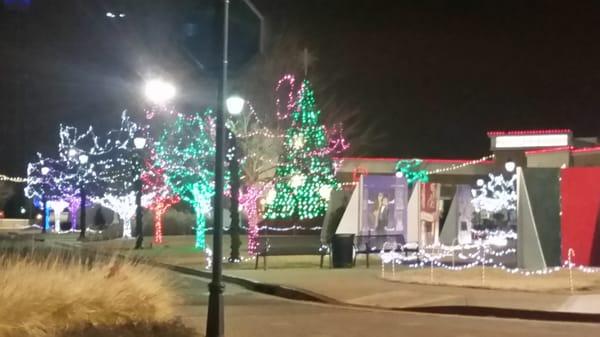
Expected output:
(162, 197)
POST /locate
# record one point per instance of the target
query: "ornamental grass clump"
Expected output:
(54, 294)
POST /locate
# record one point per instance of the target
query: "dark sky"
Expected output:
(433, 76)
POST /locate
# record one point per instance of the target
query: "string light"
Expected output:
(459, 166)
(528, 132)
(12, 179)
(290, 80)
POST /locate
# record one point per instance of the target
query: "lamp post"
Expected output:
(139, 143)
(215, 319)
(83, 160)
(44, 170)
(235, 105)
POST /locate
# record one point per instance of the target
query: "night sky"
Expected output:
(431, 76)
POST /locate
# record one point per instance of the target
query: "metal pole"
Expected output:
(234, 228)
(215, 319)
(44, 215)
(82, 223)
(261, 18)
(138, 214)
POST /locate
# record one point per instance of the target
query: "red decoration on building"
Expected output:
(426, 160)
(580, 211)
(587, 149)
(359, 171)
(552, 149)
(528, 132)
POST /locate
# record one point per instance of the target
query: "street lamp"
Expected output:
(83, 160)
(45, 170)
(139, 143)
(235, 105)
(215, 317)
(159, 91)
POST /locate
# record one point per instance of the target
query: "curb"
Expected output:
(265, 288)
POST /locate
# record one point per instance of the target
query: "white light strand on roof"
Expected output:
(459, 166)
(12, 179)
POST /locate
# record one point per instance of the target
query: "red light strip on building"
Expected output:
(426, 160)
(528, 132)
(552, 149)
(565, 148)
(587, 149)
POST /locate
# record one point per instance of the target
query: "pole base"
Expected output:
(215, 319)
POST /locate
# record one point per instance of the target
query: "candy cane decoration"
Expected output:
(291, 103)
(570, 254)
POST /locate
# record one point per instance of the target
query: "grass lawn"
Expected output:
(179, 250)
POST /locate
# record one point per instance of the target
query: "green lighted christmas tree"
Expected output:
(412, 170)
(186, 152)
(304, 177)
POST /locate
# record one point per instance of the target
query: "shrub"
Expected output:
(51, 295)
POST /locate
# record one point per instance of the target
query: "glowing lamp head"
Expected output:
(235, 105)
(139, 142)
(159, 92)
(83, 159)
(325, 192)
(510, 166)
(480, 182)
(399, 174)
(45, 170)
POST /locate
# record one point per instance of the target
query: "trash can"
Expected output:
(342, 250)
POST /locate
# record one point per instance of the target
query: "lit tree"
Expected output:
(186, 152)
(262, 143)
(81, 175)
(118, 166)
(305, 174)
(162, 197)
(43, 180)
(411, 170)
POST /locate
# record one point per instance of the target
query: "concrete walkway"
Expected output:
(365, 287)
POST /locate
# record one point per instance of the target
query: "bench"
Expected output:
(282, 245)
(376, 243)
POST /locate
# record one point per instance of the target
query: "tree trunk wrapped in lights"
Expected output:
(118, 167)
(249, 197)
(162, 196)
(186, 152)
